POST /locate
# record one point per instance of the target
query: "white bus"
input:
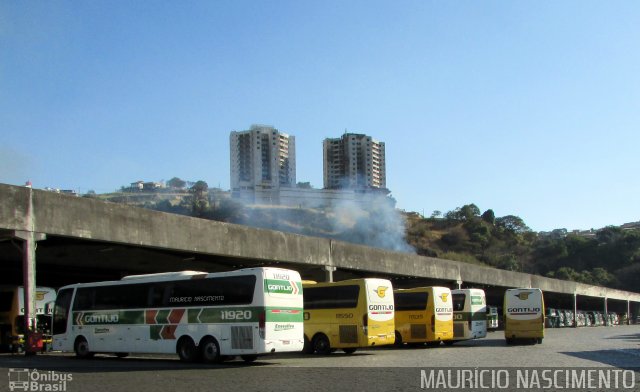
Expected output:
(469, 314)
(197, 315)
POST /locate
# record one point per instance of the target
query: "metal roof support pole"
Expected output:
(29, 239)
(575, 310)
(328, 272)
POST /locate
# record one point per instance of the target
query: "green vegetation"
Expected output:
(609, 258)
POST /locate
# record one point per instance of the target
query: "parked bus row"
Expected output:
(558, 318)
(12, 321)
(257, 311)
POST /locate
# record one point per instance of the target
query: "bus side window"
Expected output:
(458, 302)
(61, 311)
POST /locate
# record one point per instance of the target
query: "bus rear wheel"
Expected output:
(187, 350)
(210, 350)
(321, 344)
(81, 347)
(398, 341)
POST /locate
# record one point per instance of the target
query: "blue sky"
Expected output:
(529, 108)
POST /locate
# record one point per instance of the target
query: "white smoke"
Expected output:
(370, 220)
(374, 221)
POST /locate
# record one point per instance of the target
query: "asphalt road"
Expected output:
(381, 369)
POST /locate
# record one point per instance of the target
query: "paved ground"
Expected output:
(383, 369)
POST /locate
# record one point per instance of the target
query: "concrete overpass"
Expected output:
(82, 239)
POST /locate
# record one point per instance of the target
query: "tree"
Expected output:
(465, 212)
(469, 211)
(513, 224)
(200, 201)
(200, 187)
(489, 216)
(176, 183)
(436, 214)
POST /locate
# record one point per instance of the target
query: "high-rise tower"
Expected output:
(354, 161)
(262, 158)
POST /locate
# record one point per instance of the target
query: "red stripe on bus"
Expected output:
(150, 316)
(175, 315)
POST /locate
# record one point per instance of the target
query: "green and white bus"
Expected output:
(469, 314)
(198, 315)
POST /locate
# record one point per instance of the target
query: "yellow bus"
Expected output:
(12, 316)
(347, 315)
(523, 315)
(423, 315)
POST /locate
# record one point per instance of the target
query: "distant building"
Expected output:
(354, 161)
(262, 159)
(630, 226)
(145, 186)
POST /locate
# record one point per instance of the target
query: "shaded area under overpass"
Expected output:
(79, 239)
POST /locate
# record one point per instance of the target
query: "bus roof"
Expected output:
(169, 276)
(421, 289)
(470, 291)
(312, 283)
(164, 275)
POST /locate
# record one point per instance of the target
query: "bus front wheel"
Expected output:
(82, 348)
(187, 350)
(321, 344)
(210, 350)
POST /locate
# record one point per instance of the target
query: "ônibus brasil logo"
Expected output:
(524, 295)
(444, 297)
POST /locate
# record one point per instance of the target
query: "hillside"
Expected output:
(608, 257)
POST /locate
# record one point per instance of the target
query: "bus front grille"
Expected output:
(241, 338)
(348, 334)
(418, 331)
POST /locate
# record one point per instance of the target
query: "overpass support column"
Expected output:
(575, 310)
(606, 313)
(29, 241)
(328, 273)
(628, 312)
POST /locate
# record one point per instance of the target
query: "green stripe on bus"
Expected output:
(109, 317)
(250, 314)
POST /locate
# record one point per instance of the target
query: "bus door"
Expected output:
(62, 319)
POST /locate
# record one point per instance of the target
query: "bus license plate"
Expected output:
(285, 342)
